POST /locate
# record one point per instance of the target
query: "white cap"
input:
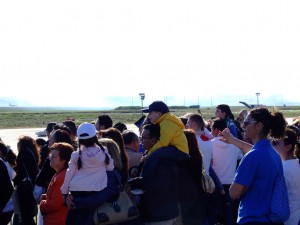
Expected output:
(86, 130)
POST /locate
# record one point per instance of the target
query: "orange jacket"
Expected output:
(53, 209)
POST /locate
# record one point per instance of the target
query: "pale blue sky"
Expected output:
(88, 53)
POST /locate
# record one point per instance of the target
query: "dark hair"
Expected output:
(198, 119)
(71, 125)
(8, 154)
(40, 141)
(290, 139)
(129, 137)
(183, 120)
(116, 135)
(196, 157)
(120, 126)
(88, 143)
(219, 124)
(62, 136)
(65, 150)
(154, 130)
(27, 142)
(62, 127)
(105, 120)
(295, 129)
(194, 150)
(226, 109)
(50, 126)
(274, 122)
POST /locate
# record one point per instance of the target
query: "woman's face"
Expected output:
(55, 161)
(220, 114)
(249, 126)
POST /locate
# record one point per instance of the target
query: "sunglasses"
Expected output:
(247, 122)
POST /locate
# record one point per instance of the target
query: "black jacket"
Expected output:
(6, 188)
(160, 178)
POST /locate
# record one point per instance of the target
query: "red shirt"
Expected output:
(53, 209)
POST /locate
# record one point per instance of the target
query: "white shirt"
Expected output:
(291, 170)
(206, 151)
(224, 160)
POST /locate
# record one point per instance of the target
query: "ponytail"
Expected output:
(79, 162)
(106, 155)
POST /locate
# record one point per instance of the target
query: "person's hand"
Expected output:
(69, 201)
(226, 136)
(134, 171)
(144, 159)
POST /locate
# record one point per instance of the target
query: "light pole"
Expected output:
(257, 95)
(142, 95)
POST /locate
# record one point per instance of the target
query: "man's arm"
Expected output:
(237, 190)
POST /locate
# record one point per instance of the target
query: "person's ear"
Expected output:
(259, 126)
(153, 141)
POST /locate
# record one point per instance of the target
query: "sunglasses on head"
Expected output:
(275, 142)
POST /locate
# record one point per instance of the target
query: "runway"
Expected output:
(10, 136)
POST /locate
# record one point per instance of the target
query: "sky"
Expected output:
(185, 52)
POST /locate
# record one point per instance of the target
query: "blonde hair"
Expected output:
(113, 150)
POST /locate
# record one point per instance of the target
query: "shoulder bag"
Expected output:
(120, 210)
(208, 184)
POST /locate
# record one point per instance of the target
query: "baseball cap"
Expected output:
(86, 130)
(157, 106)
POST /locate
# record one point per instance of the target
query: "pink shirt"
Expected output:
(92, 175)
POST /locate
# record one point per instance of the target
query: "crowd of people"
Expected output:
(64, 179)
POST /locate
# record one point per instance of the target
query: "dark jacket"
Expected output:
(160, 178)
(26, 166)
(45, 175)
(6, 188)
(192, 198)
(44, 154)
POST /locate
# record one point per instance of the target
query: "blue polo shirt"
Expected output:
(257, 171)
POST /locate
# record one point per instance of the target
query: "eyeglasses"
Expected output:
(247, 122)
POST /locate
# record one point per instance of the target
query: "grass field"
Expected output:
(18, 117)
